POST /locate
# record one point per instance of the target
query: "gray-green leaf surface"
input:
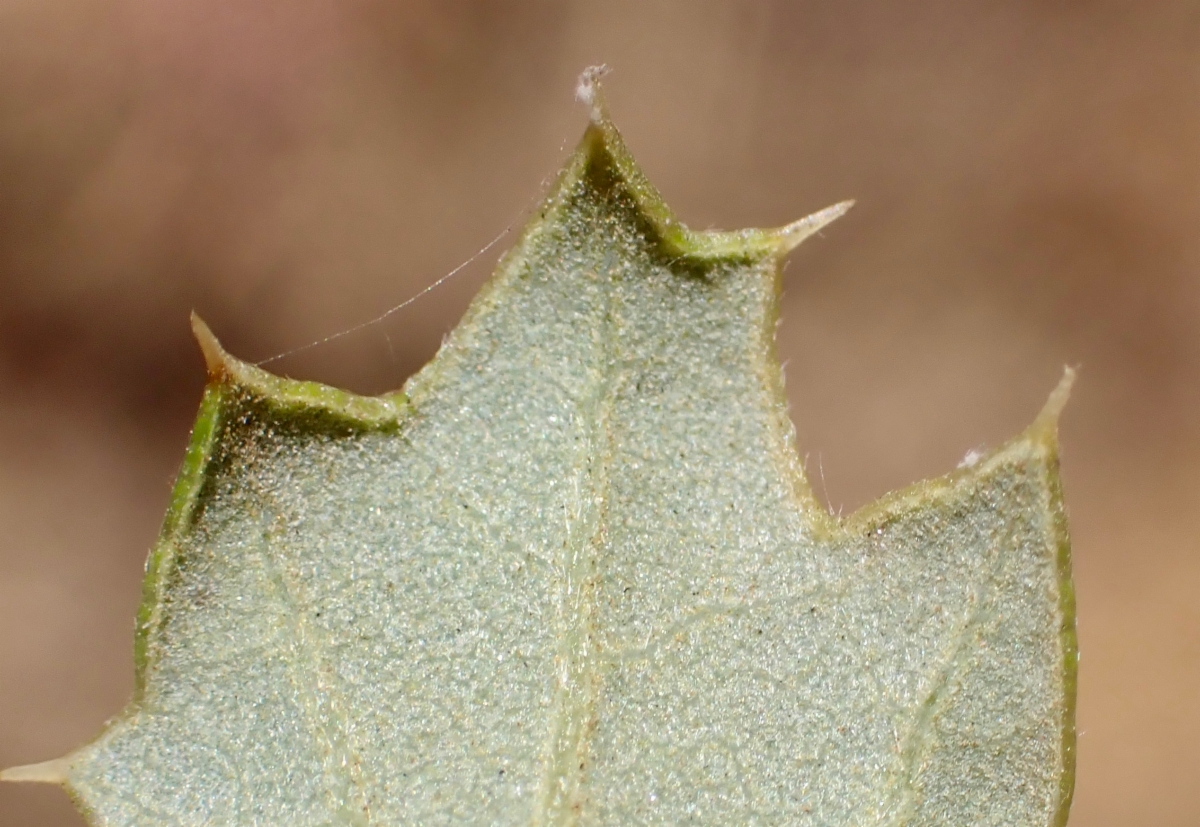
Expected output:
(573, 575)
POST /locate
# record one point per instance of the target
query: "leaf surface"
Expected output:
(573, 575)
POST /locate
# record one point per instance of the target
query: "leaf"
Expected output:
(573, 574)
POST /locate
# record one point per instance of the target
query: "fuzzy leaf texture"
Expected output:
(572, 574)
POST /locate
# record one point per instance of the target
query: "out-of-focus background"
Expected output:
(1028, 185)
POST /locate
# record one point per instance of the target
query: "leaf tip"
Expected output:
(792, 234)
(47, 772)
(216, 360)
(589, 93)
(1047, 420)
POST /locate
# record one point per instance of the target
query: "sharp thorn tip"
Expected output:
(1059, 396)
(214, 355)
(794, 233)
(47, 772)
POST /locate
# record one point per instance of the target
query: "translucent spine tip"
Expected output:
(47, 772)
(791, 235)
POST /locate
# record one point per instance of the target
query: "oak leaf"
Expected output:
(573, 574)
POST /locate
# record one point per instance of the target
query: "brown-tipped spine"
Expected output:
(216, 360)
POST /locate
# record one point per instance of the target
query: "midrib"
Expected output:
(562, 794)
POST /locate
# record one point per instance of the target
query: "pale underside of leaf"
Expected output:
(573, 574)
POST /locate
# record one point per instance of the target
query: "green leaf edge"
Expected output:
(230, 378)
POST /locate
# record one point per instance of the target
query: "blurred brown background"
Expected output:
(1028, 185)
